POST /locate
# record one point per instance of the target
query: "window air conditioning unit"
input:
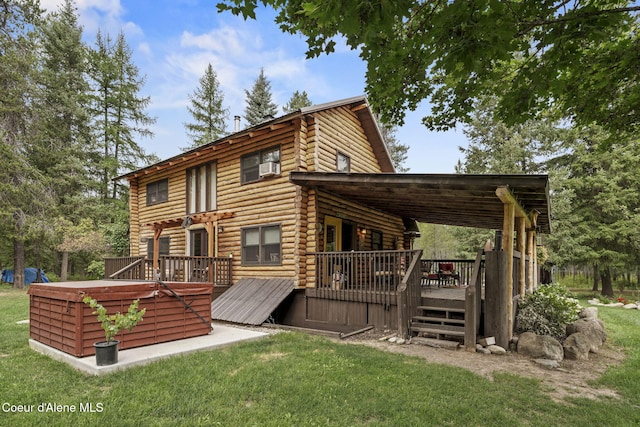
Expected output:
(269, 169)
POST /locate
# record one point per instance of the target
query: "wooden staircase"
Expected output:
(439, 321)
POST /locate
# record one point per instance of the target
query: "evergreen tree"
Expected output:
(59, 151)
(298, 100)
(209, 116)
(259, 107)
(600, 200)
(397, 151)
(118, 111)
(22, 191)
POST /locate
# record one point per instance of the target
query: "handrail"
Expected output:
(127, 268)
(409, 294)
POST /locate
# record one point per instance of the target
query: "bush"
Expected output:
(547, 311)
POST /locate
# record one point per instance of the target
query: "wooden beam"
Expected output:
(507, 245)
(533, 256)
(505, 195)
(156, 249)
(521, 243)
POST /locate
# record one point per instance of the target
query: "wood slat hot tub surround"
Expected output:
(59, 318)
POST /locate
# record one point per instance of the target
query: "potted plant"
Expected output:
(112, 324)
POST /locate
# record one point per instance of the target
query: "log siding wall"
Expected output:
(307, 143)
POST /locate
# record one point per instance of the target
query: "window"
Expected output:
(201, 188)
(261, 245)
(250, 164)
(158, 192)
(376, 240)
(164, 247)
(343, 163)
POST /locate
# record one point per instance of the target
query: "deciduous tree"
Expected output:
(572, 58)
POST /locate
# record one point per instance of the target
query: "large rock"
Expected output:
(578, 346)
(589, 313)
(540, 346)
(593, 328)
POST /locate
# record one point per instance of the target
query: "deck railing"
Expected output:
(463, 268)
(380, 277)
(216, 270)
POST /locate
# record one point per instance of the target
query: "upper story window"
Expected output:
(343, 162)
(262, 245)
(201, 188)
(260, 164)
(158, 192)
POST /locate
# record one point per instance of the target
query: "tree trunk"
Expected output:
(596, 277)
(18, 263)
(64, 266)
(607, 286)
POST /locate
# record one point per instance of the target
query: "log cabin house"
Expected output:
(302, 219)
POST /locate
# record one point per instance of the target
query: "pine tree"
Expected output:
(22, 192)
(259, 104)
(298, 100)
(118, 111)
(209, 116)
(397, 151)
(59, 151)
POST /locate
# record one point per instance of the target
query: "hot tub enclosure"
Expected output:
(59, 318)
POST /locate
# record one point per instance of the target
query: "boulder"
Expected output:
(594, 328)
(578, 346)
(630, 306)
(589, 313)
(496, 349)
(540, 346)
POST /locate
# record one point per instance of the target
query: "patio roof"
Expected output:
(464, 200)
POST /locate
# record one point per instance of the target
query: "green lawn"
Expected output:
(293, 379)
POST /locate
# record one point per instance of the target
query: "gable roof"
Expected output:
(450, 199)
(358, 104)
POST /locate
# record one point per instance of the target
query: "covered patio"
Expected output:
(517, 205)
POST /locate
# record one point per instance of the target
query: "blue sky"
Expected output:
(173, 41)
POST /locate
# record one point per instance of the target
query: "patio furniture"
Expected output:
(447, 274)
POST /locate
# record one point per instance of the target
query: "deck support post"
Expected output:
(496, 296)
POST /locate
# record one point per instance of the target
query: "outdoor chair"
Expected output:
(447, 274)
(427, 275)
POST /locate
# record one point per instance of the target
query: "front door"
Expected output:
(332, 234)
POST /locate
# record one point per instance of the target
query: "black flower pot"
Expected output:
(106, 352)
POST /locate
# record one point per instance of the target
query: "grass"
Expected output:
(293, 379)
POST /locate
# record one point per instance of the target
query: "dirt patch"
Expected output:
(571, 379)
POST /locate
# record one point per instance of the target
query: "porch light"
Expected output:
(187, 222)
(220, 229)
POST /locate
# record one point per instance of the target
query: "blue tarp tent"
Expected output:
(30, 276)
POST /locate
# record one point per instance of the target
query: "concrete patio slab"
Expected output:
(222, 335)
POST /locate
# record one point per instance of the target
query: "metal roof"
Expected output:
(251, 301)
(452, 199)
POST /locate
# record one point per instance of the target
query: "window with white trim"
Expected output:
(201, 188)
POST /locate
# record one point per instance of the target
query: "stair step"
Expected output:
(431, 308)
(457, 331)
(438, 320)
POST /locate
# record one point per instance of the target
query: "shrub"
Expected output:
(547, 311)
